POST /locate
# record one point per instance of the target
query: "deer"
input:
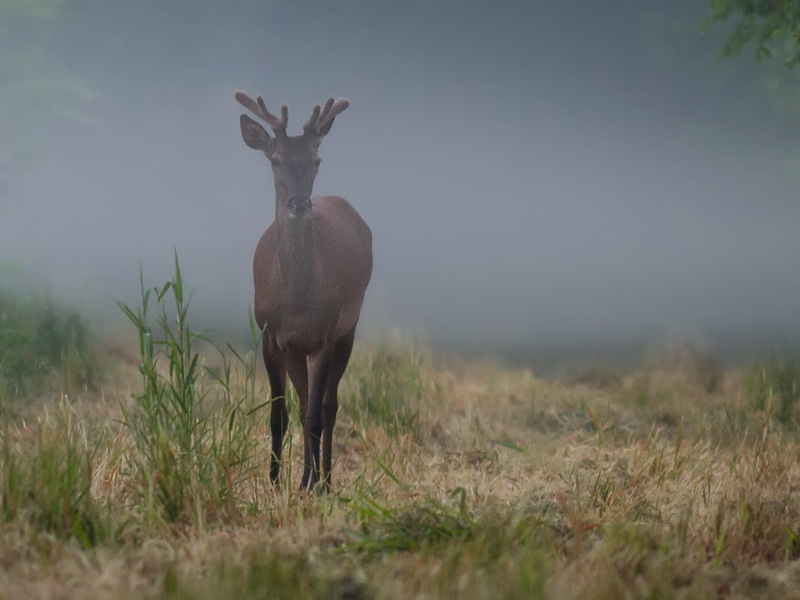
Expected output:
(311, 269)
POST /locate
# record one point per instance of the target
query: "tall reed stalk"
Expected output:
(194, 435)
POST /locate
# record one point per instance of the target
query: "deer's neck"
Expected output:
(296, 253)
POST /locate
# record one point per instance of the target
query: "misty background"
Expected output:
(538, 176)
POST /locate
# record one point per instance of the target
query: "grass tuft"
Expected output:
(265, 575)
(774, 387)
(49, 486)
(192, 426)
(390, 390)
(423, 524)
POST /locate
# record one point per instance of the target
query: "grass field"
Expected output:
(452, 479)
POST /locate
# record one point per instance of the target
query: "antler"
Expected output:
(320, 118)
(259, 108)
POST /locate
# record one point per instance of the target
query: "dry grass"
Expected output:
(500, 485)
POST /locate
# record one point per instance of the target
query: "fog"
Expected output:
(537, 175)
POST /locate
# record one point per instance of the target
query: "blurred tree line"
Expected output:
(19, 60)
(32, 80)
(39, 338)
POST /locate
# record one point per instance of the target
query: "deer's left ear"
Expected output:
(255, 136)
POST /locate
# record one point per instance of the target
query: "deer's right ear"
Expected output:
(255, 136)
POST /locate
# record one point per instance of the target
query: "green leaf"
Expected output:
(178, 281)
(160, 292)
(510, 444)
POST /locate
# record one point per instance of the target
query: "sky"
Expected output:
(535, 174)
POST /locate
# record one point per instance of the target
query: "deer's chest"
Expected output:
(302, 326)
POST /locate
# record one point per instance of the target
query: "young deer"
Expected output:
(311, 269)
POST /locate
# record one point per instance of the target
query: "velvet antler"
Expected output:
(322, 117)
(259, 108)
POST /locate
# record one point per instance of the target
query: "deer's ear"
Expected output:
(255, 136)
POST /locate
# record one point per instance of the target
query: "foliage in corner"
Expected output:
(768, 23)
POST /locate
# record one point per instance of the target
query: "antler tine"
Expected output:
(326, 111)
(249, 104)
(321, 117)
(332, 109)
(277, 124)
(311, 124)
(259, 108)
(266, 115)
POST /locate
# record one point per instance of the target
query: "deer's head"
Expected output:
(294, 159)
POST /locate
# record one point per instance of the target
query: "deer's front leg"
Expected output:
(279, 416)
(297, 365)
(319, 367)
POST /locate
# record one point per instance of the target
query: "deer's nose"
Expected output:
(299, 205)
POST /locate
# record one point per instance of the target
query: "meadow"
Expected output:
(135, 466)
